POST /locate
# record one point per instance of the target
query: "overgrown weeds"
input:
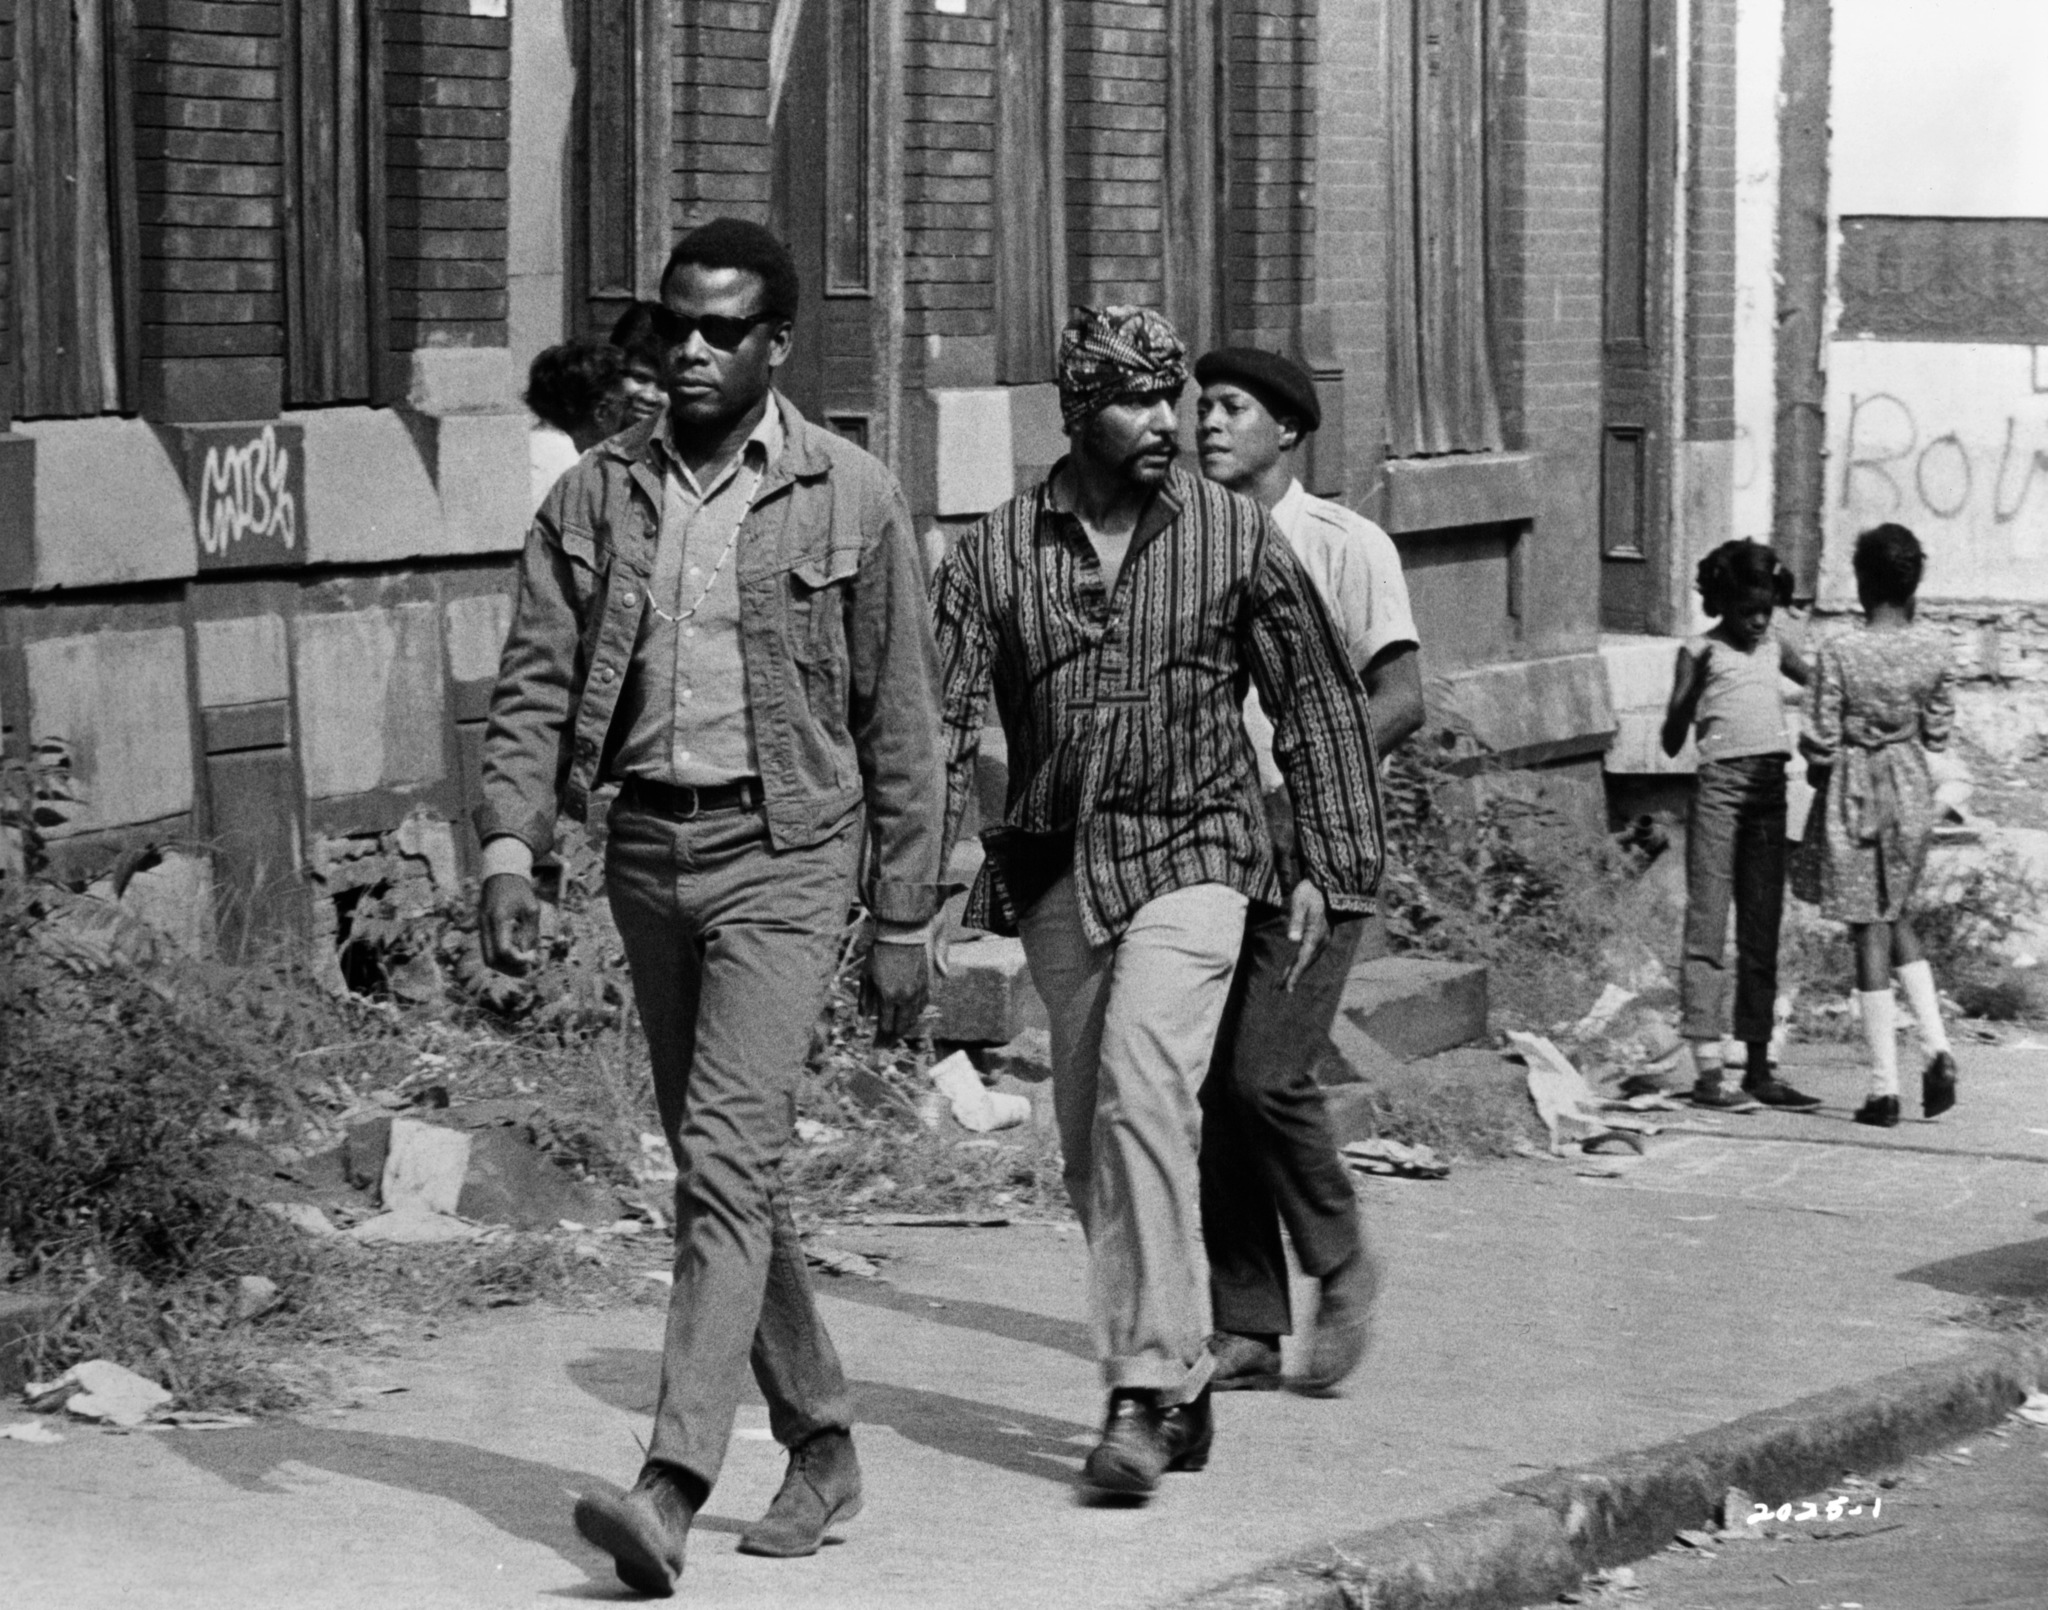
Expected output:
(148, 1100)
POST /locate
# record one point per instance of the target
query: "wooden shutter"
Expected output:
(74, 185)
(1030, 242)
(1440, 370)
(332, 157)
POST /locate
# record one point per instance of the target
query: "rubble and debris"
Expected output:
(302, 1216)
(833, 1261)
(812, 1133)
(30, 1431)
(99, 1389)
(415, 1226)
(1380, 1155)
(255, 1296)
(425, 1168)
(2035, 1409)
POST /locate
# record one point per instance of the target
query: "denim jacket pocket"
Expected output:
(817, 609)
(586, 566)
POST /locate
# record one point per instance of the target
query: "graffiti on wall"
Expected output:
(1894, 470)
(245, 495)
(1950, 439)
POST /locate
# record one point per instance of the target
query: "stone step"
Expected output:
(1416, 1007)
(986, 997)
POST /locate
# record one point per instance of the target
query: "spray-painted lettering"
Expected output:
(1891, 471)
(245, 495)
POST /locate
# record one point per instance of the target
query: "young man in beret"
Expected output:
(1268, 1154)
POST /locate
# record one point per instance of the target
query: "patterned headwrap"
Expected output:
(1107, 354)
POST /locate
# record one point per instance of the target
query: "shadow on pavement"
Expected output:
(991, 1319)
(521, 1497)
(2016, 1270)
(1007, 1439)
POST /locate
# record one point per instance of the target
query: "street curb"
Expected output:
(1542, 1535)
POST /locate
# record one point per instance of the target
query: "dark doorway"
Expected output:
(821, 205)
(1635, 450)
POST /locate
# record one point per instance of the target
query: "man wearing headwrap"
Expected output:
(1118, 610)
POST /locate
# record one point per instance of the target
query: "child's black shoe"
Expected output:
(1713, 1093)
(1882, 1111)
(1774, 1092)
(1938, 1084)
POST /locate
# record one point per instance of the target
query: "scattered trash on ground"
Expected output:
(974, 1105)
(1576, 1118)
(30, 1431)
(2035, 1409)
(1604, 1011)
(99, 1389)
(198, 1420)
(425, 1167)
(812, 1133)
(833, 1261)
(1382, 1156)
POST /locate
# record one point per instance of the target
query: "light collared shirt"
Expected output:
(1357, 570)
(684, 705)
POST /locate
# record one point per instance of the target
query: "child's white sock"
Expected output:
(1706, 1058)
(1917, 980)
(1880, 1036)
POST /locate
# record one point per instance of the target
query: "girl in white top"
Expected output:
(1728, 687)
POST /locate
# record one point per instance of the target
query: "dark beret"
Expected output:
(1280, 383)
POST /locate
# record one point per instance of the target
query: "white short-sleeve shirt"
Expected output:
(1357, 569)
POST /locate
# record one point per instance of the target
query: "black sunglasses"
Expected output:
(719, 332)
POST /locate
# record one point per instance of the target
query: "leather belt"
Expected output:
(683, 802)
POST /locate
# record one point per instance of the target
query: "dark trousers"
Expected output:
(1268, 1153)
(1734, 849)
(731, 946)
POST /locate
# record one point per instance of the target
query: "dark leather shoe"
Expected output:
(1938, 1084)
(643, 1531)
(1244, 1363)
(1343, 1325)
(1713, 1093)
(1882, 1111)
(1774, 1092)
(822, 1485)
(1142, 1440)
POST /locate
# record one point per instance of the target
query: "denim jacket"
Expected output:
(835, 638)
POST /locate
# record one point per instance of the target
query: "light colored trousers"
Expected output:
(1133, 1027)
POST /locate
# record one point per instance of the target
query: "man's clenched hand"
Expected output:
(508, 923)
(899, 983)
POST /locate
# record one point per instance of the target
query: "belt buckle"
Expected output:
(696, 799)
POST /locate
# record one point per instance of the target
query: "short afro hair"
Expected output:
(1889, 563)
(1738, 570)
(736, 243)
(566, 384)
(637, 334)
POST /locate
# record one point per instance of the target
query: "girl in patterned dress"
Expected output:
(1880, 699)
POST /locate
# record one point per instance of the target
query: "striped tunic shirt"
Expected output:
(1121, 705)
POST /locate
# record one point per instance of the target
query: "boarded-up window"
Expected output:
(1030, 215)
(73, 195)
(1441, 394)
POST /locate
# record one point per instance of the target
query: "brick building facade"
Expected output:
(262, 467)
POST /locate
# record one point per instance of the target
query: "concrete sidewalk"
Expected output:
(1532, 1319)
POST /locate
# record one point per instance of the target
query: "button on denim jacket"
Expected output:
(835, 639)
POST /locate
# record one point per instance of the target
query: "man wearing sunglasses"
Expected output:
(722, 611)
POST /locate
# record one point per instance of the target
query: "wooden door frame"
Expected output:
(1662, 228)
